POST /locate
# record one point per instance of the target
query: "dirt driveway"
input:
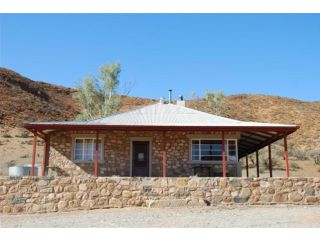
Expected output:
(244, 216)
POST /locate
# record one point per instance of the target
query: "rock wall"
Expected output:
(33, 195)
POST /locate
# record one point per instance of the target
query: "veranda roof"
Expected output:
(161, 116)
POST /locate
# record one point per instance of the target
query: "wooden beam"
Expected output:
(164, 155)
(45, 150)
(224, 163)
(257, 163)
(96, 160)
(270, 160)
(247, 166)
(34, 152)
(286, 157)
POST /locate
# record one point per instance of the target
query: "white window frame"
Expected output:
(91, 138)
(213, 139)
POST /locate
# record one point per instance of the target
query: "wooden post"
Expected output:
(43, 166)
(247, 166)
(164, 155)
(34, 152)
(270, 160)
(96, 160)
(224, 164)
(257, 163)
(286, 157)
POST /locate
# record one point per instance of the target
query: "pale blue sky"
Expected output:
(236, 53)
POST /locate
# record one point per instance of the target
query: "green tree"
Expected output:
(215, 101)
(98, 95)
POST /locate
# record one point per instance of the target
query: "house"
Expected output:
(162, 139)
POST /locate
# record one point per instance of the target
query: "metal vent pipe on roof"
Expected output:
(170, 95)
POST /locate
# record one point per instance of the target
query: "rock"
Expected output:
(68, 196)
(311, 199)
(74, 203)
(126, 194)
(278, 183)
(288, 184)
(42, 183)
(93, 194)
(13, 189)
(6, 209)
(88, 204)
(3, 190)
(136, 193)
(280, 197)
(62, 205)
(223, 182)
(244, 183)
(266, 198)
(83, 187)
(309, 191)
(181, 182)
(234, 182)
(65, 180)
(243, 196)
(193, 183)
(58, 189)
(271, 190)
(115, 202)
(71, 188)
(300, 183)
(46, 190)
(105, 192)
(295, 197)
(254, 184)
(35, 208)
(264, 184)
(110, 186)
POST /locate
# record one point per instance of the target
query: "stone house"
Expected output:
(161, 139)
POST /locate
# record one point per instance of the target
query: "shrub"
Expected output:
(23, 134)
(11, 163)
(6, 135)
(294, 166)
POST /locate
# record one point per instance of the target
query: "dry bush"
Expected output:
(6, 135)
(23, 134)
(11, 163)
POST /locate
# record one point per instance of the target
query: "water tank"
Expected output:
(20, 171)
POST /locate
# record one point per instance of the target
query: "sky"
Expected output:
(274, 54)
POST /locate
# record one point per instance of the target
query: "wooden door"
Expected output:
(140, 158)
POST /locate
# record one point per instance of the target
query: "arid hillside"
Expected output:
(23, 99)
(265, 108)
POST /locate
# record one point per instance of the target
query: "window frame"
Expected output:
(213, 139)
(76, 137)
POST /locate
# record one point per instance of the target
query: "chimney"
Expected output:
(170, 95)
(181, 102)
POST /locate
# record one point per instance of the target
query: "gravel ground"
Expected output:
(226, 216)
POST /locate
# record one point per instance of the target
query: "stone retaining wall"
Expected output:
(35, 195)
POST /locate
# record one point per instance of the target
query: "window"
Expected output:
(85, 149)
(211, 150)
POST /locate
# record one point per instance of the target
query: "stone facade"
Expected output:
(35, 195)
(116, 152)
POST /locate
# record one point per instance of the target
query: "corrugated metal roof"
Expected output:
(161, 114)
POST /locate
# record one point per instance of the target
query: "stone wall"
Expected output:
(117, 152)
(35, 195)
